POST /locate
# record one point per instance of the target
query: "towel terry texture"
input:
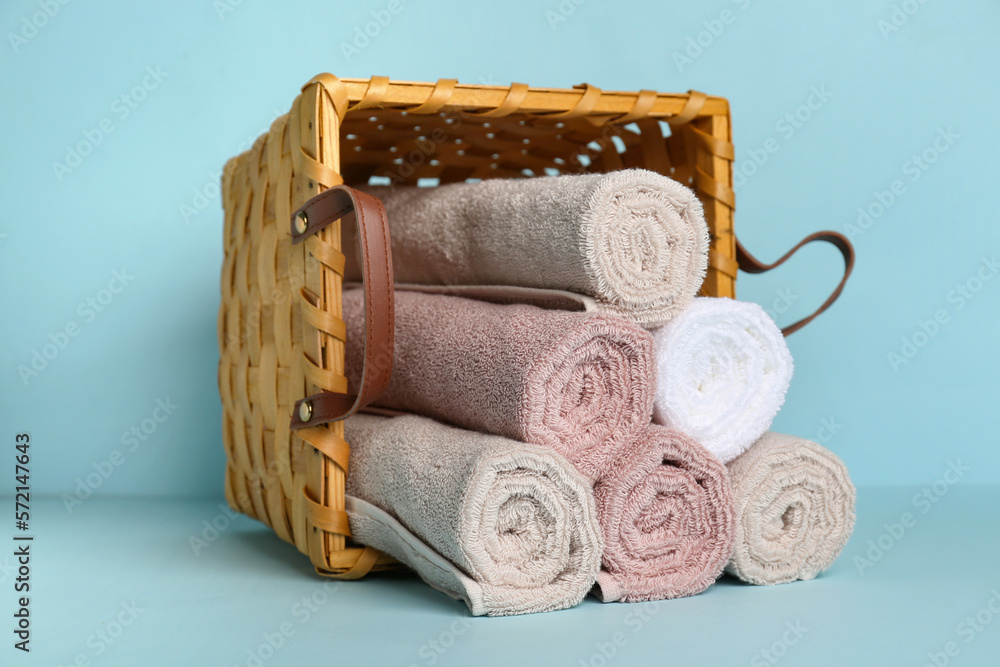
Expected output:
(632, 243)
(574, 382)
(666, 514)
(795, 510)
(507, 527)
(722, 370)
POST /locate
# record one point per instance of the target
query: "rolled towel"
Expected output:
(794, 507)
(722, 370)
(507, 527)
(666, 514)
(570, 381)
(632, 243)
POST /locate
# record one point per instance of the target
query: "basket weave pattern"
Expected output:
(280, 333)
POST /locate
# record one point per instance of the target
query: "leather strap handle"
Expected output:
(751, 264)
(341, 201)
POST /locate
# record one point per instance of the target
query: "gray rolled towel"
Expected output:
(509, 528)
(794, 510)
(631, 243)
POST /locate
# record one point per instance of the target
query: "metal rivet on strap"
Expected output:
(301, 222)
(305, 411)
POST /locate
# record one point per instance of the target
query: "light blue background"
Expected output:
(228, 76)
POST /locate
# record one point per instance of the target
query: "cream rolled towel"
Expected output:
(722, 370)
(507, 527)
(794, 510)
(632, 243)
(570, 381)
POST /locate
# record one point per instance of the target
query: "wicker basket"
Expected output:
(276, 342)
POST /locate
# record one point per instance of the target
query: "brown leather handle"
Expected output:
(751, 264)
(329, 206)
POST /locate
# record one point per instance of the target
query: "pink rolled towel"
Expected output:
(572, 381)
(667, 518)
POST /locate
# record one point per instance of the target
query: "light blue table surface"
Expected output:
(118, 582)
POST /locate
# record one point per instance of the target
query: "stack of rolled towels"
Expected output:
(566, 417)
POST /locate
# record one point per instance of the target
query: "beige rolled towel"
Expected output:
(631, 243)
(794, 510)
(507, 527)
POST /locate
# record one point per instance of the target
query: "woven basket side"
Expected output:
(257, 376)
(275, 348)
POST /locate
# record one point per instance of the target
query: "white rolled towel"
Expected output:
(722, 370)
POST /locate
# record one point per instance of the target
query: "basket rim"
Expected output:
(380, 92)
